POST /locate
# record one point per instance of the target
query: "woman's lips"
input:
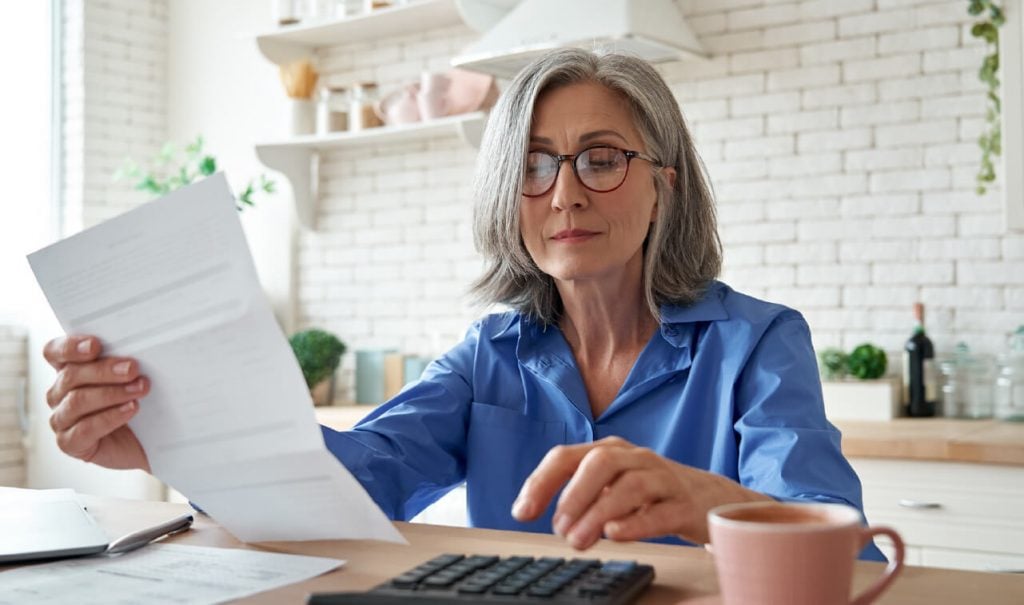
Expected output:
(569, 236)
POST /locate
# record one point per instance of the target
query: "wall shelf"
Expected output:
(293, 42)
(297, 158)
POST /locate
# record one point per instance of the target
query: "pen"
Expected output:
(150, 534)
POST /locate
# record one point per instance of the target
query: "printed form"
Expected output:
(160, 573)
(229, 421)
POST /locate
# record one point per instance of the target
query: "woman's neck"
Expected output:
(605, 319)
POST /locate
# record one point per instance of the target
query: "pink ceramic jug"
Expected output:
(432, 97)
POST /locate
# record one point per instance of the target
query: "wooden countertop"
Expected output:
(941, 439)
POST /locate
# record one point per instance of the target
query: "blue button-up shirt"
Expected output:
(728, 384)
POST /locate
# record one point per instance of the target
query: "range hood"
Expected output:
(517, 31)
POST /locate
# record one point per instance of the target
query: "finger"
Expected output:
(109, 370)
(557, 467)
(82, 440)
(71, 349)
(658, 519)
(87, 401)
(632, 491)
(601, 467)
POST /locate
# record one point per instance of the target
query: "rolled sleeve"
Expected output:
(787, 448)
(411, 450)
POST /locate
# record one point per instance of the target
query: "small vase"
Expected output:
(323, 392)
(303, 116)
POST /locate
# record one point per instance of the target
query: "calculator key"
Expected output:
(618, 567)
(507, 589)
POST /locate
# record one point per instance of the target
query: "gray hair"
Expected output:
(683, 252)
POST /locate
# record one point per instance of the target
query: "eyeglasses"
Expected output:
(600, 169)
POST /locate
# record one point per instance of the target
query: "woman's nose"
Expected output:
(568, 192)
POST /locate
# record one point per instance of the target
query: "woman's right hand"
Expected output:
(92, 399)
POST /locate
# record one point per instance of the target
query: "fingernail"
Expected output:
(122, 367)
(520, 508)
(134, 387)
(127, 407)
(580, 538)
(85, 346)
(562, 523)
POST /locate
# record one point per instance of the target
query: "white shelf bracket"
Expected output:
(301, 168)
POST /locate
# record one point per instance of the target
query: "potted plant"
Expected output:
(168, 172)
(854, 385)
(319, 353)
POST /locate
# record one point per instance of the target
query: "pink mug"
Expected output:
(775, 553)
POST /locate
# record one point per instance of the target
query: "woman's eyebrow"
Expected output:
(601, 133)
(589, 136)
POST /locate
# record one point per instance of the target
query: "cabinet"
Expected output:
(297, 158)
(950, 514)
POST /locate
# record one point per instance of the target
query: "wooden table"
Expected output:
(684, 575)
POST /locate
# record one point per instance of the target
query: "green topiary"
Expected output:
(833, 363)
(867, 362)
(318, 352)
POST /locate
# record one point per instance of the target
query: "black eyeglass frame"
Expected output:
(559, 158)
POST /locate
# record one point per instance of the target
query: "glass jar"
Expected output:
(372, 5)
(333, 110)
(966, 384)
(1009, 384)
(363, 113)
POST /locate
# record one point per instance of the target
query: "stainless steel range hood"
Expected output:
(516, 31)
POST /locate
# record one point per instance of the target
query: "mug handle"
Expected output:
(891, 571)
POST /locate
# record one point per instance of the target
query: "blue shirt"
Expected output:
(728, 384)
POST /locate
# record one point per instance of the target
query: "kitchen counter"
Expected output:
(941, 439)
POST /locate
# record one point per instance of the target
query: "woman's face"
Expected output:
(571, 232)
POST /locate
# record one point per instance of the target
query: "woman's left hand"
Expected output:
(624, 492)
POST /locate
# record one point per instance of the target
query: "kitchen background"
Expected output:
(840, 137)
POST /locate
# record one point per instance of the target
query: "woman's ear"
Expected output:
(670, 174)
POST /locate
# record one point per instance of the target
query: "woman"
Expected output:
(624, 377)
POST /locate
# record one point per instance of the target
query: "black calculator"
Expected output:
(454, 578)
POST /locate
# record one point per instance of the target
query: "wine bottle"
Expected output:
(919, 391)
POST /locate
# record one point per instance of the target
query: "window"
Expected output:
(27, 172)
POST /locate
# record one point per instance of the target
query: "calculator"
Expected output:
(455, 578)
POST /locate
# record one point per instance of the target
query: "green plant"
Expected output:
(833, 363)
(168, 172)
(318, 352)
(990, 141)
(867, 362)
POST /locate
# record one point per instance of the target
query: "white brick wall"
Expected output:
(115, 91)
(885, 109)
(13, 374)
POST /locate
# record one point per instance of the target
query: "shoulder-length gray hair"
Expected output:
(682, 253)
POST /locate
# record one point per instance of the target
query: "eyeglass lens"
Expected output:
(600, 169)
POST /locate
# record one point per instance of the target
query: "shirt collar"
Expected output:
(709, 307)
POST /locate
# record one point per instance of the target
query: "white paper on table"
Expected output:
(228, 421)
(159, 573)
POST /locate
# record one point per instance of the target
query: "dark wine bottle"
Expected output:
(919, 391)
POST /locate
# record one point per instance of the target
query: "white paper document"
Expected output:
(228, 421)
(159, 573)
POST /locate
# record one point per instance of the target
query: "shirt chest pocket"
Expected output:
(504, 447)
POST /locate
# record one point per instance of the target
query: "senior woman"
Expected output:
(624, 377)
